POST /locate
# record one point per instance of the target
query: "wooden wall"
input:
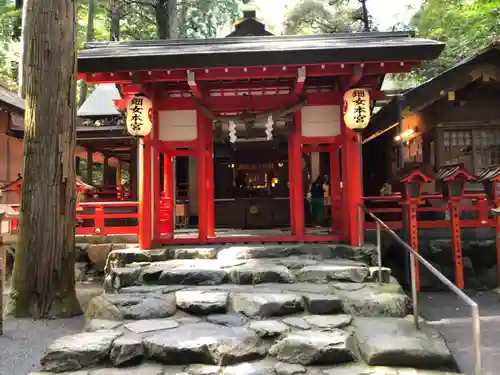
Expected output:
(11, 158)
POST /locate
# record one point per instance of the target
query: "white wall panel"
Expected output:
(321, 121)
(177, 125)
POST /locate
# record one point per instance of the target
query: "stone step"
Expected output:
(264, 367)
(312, 252)
(245, 272)
(334, 345)
(254, 301)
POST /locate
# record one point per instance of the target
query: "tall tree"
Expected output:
(328, 16)
(89, 38)
(466, 26)
(44, 280)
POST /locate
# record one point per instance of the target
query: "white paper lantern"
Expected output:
(139, 116)
(356, 109)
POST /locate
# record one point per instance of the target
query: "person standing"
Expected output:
(317, 201)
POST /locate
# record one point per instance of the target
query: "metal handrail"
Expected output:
(476, 330)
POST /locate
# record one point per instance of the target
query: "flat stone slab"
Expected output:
(263, 305)
(131, 306)
(205, 343)
(127, 350)
(323, 303)
(227, 320)
(269, 328)
(151, 325)
(202, 303)
(184, 276)
(297, 322)
(71, 353)
(144, 369)
(260, 273)
(372, 300)
(102, 325)
(328, 321)
(324, 273)
(313, 348)
(396, 342)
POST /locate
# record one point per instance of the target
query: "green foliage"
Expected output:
(197, 19)
(466, 26)
(9, 50)
(206, 18)
(325, 16)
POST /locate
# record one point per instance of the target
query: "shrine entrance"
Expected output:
(211, 188)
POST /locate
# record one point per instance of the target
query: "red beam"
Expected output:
(255, 102)
(247, 239)
(320, 140)
(248, 73)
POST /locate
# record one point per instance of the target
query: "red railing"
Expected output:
(107, 218)
(108, 193)
(431, 212)
(100, 219)
(121, 217)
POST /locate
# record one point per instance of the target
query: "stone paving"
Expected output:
(250, 310)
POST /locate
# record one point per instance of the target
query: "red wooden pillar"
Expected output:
(202, 177)
(168, 197)
(210, 179)
(145, 199)
(336, 192)
(291, 184)
(298, 188)
(454, 207)
(155, 189)
(351, 183)
(413, 238)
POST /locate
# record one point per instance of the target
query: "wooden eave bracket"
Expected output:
(191, 80)
(357, 74)
(301, 79)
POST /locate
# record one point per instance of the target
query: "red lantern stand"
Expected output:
(490, 177)
(451, 181)
(411, 192)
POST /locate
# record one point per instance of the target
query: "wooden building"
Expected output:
(231, 92)
(452, 118)
(11, 144)
(101, 132)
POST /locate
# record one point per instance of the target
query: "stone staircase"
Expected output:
(250, 310)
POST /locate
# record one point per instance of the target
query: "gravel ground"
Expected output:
(24, 340)
(451, 317)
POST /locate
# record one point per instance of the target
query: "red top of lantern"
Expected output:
(491, 174)
(454, 172)
(415, 175)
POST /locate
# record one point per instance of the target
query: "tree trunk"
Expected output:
(173, 20)
(114, 31)
(90, 37)
(182, 19)
(44, 277)
(365, 16)
(166, 18)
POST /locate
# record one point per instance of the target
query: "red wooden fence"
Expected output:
(120, 217)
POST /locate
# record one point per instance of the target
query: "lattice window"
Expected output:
(458, 148)
(487, 144)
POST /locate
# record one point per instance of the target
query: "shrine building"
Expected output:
(232, 131)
